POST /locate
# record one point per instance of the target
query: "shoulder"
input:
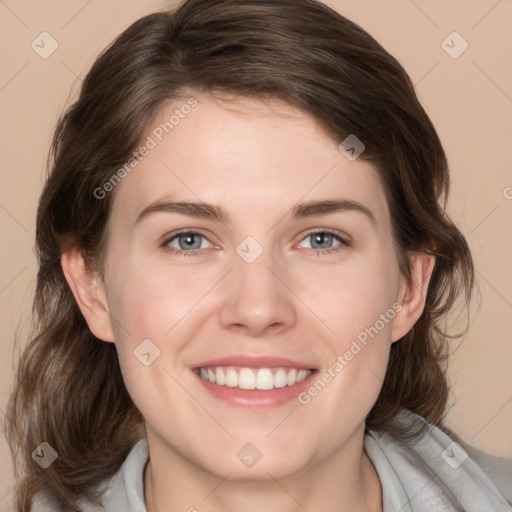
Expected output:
(124, 491)
(498, 469)
(45, 501)
(431, 472)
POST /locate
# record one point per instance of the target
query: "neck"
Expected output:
(347, 481)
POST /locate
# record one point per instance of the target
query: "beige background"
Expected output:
(468, 98)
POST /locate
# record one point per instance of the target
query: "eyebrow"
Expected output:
(209, 211)
(315, 208)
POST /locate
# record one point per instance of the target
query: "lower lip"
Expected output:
(255, 398)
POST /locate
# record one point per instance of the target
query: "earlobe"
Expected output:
(413, 294)
(89, 293)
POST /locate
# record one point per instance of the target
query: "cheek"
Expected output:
(350, 299)
(145, 306)
(149, 302)
(357, 308)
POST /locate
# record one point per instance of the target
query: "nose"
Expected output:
(257, 298)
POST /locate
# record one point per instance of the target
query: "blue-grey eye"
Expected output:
(187, 240)
(322, 240)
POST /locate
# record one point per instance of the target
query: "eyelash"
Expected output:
(344, 243)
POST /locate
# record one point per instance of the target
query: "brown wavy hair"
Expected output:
(69, 389)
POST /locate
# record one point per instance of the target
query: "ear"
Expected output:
(89, 292)
(412, 294)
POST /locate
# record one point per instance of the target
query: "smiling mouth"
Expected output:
(263, 379)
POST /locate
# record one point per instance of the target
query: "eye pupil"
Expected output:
(321, 239)
(190, 240)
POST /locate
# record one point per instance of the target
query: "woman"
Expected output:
(245, 264)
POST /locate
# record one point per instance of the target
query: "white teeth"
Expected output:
(220, 377)
(301, 375)
(264, 379)
(246, 379)
(231, 378)
(280, 379)
(292, 377)
(252, 378)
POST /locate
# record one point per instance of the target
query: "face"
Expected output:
(283, 289)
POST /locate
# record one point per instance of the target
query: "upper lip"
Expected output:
(255, 361)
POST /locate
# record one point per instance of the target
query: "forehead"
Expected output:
(247, 156)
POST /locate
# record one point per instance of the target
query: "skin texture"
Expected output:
(257, 161)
